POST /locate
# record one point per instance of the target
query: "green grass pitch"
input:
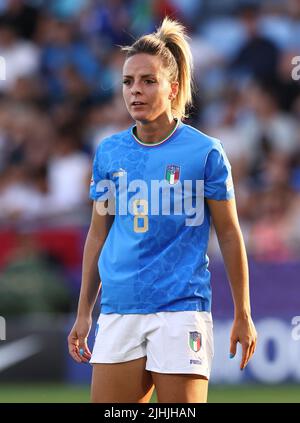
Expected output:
(13, 393)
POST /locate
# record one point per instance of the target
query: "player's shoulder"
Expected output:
(112, 141)
(205, 140)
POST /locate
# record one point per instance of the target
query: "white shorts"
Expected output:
(173, 342)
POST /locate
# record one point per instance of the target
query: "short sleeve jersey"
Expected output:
(155, 255)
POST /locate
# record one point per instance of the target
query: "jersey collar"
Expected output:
(154, 144)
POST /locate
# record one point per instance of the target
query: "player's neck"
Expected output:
(154, 132)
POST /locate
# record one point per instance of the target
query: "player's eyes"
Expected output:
(147, 81)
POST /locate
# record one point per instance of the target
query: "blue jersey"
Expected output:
(154, 257)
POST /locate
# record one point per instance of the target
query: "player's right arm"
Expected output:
(90, 284)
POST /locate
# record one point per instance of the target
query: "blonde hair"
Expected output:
(169, 42)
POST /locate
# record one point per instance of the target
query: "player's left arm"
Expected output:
(225, 220)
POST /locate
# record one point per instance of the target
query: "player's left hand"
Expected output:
(244, 332)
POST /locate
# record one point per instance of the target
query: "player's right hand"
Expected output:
(77, 340)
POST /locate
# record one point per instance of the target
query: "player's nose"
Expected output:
(135, 89)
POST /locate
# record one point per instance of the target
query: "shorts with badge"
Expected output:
(172, 341)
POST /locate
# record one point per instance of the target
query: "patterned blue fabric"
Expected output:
(164, 268)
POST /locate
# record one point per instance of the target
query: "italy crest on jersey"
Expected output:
(195, 341)
(172, 174)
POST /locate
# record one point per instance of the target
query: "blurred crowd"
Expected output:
(62, 95)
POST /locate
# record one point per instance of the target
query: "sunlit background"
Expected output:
(60, 95)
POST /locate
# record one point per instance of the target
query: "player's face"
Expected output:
(146, 87)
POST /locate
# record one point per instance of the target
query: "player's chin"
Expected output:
(140, 111)
(139, 115)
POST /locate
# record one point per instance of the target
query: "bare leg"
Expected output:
(180, 388)
(126, 382)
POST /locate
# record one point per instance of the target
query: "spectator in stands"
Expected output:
(64, 53)
(69, 173)
(258, 57)
(22, 57)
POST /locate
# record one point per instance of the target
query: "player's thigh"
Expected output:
(185, 388)
(127, 382)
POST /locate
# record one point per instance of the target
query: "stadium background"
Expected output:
(62, 95)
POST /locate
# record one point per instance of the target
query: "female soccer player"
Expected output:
(166, 181)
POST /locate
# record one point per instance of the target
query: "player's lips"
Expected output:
(137, 104)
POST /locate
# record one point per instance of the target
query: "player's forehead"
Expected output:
(142, 64)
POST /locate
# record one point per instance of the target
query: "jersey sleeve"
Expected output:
(99, 180)
(218, 184)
